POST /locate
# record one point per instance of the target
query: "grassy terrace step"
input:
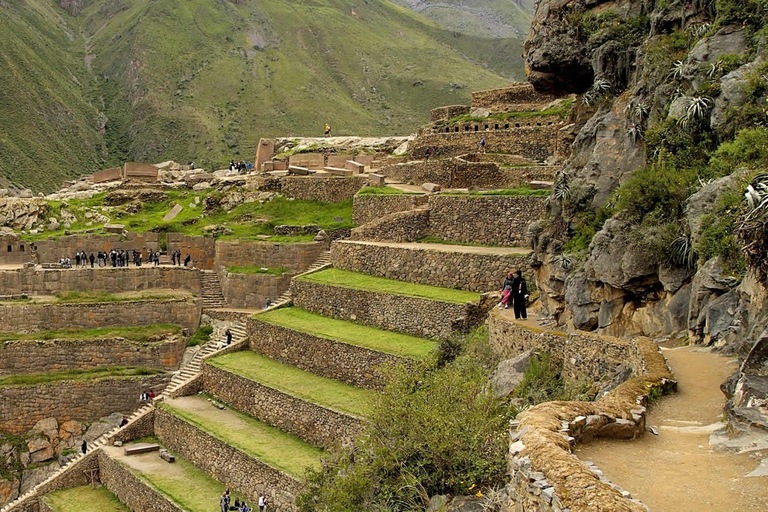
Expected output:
(356, 281)
(84, 499)
(372, 338)
(34, 379)
(270, 445)
(298, 383)
(182, 482)
(141, 334)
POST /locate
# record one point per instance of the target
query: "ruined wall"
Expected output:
(535, 139)
(439, 114)
(517, 97)
(21, 357)
(14, 251)
(252, 290)
(202, 249)
(352, 364)
(38, 281)
(315, 424)
(366, 208)
(230, 466)
(51, 251)
(411, 315)
(326, 189)
(460, 173)
(497, 220)
(239, 253)
(404, 226)
(130, 489)
(23, 406)
(28, 317)
(465, 270)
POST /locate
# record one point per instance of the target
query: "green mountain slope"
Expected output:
(49, 128)
(202, 80)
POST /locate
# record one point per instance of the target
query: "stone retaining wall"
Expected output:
(315, 424)
(464, 270)
(230, 466)
(348, 363)
(369, 207)
(534, 142)
(239, 253)
(51, 251)
(546, 476)
(202, 249)
(508, 99)
(459, 173)
(411, 315)
(447, 113)
(325, 189)
(130, 489)
(30, 356)
(31, 317)
(252, 290)
(38, 281)
(405, 226)
(86, 400)
(497, 220)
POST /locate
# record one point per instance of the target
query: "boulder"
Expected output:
(9, 490)
(114, 228)
(32, 477)
(201, 186)
(509, 374)
(48, 427)
(431, 187)
(732, 95)
(40, 449)
(618, 259)
(466, 504)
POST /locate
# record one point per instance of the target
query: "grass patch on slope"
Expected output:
(356, 281)
(348, 332)
(84, 499)
(295, 382)
(34, 379)
(103, 297)
(275, 271)
(201, 337)
(259, 440)
(386, 191)
(141, 334)
(562, 110)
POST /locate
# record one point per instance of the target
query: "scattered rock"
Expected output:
(509, 374)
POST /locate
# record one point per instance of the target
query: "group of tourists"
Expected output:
(240, 167)
(225, 502)
(147, 396)
(122, 258)
(514, 292)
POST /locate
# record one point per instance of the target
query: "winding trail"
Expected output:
(677, 471)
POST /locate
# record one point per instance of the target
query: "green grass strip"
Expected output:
(140, 334)
(100, 297)
(33, 379)
(386, 191)
(355, 334)
(276, 271)
(84, 499)
(518, 191)
(357, 281)
(270, 445)
(295, 382)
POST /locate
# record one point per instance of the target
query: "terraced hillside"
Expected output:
(202, 80)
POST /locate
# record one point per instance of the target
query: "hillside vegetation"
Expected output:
(112, 80)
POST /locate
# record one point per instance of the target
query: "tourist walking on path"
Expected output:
(428, 154)
(520, 296)
(262, 503)
(187, 260)
(327, 130)
(228, 334)
(506, 291)
(84, 447)
(92, 258)
(482, 145)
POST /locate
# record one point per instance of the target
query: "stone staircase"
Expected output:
(322, 262)
(212, 296)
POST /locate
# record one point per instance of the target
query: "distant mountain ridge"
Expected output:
(93, 83)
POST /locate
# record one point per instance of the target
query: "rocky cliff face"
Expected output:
(641, 231)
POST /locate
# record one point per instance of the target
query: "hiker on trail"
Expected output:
(84, 447)
(173, 258)
(77, 259)
(178, 258)
(262, 503)
(428, 154)
(92, 258)
(506, 291)
(482, 144)
(124, 421)
(223, 503)
(228, 334)
(327, 130)
(267, 303)
(519, 296)
(187, 260)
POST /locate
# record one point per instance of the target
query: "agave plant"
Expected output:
(683, 253)
(753, 230)
(677, 70)
(757, 198)
(641, 111)
(564, 261)
(715, 70)
(699, 31)
(601, 85)
(699, 107)
(635, 132)
(562, 188)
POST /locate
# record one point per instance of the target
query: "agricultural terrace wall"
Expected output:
(348, 363)
(517, 97)
(85, 400)
(130, 489)
(410, 315)
(442, 114)
(13, 251)
(38, 281)
(51, 251)
(479, 272)
(253, 290)
(459, 173)
(315, 424)
(405, 226)
(77, 474)
(367, 208)
(533, 142)
(496, 220)
(30, 317)
(29, 356)
(325, 189)
(230, 466)
(202, 249)
(238, 253)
